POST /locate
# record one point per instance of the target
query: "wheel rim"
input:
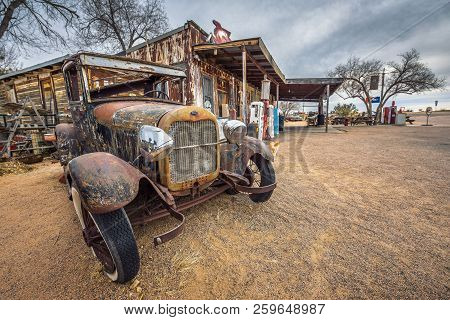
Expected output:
(78, 207)
(255, 172)
(93, 237)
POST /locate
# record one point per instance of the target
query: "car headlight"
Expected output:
(154, 143)
(234, 130)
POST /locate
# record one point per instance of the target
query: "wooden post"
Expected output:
(278, 93)
(328, 104)
(232, 96)
(244, 86)
(320, 106)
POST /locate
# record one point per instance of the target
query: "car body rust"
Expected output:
(102, 155)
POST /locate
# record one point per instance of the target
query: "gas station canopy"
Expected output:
(308, 89)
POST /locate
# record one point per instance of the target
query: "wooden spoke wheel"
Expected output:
(260, 173)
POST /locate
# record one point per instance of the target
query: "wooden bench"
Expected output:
(408, 119)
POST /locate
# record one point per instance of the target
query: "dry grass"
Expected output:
(14, 167)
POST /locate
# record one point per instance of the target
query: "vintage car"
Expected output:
(295, 116)
(132, 156)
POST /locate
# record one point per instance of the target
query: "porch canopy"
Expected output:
(308, 89)
(250, 58)
(247, 58)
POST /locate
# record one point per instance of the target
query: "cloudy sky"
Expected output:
(308, 38)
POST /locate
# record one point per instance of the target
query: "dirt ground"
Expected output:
(437, 118)
(359, 213)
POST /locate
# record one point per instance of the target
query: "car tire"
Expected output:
(247, 174)
(111, 240)
(267, 177)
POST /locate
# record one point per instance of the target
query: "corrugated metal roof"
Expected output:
(35, 67)
(229, 56)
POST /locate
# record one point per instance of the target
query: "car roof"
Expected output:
(117, 62)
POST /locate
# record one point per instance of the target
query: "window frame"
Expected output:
(211, 79)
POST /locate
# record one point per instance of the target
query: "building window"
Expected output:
(223, 104)
(162, 86)
(11, 95)
(208, 93)
(47, 94)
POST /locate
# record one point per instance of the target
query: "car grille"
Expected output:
(195, 150)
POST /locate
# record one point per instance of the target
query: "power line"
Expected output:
(408, 29)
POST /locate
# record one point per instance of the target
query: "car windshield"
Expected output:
(108, 83)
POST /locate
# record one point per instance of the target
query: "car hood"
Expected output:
(132, 114)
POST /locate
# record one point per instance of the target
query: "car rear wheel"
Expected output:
(111, 239)
(260, 174)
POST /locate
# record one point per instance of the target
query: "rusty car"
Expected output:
(131, 155)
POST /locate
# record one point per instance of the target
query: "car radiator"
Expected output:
(195, 150)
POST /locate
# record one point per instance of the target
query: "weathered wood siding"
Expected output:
(175, 49)
(28, 87)
(168, 51)
(4, 94)
(60, 92)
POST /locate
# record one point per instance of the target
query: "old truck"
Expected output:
(132, 156)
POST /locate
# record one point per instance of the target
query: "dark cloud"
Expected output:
(308, 38)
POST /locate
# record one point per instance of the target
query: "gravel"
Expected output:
(360, 214)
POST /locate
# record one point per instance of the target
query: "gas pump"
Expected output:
(393, 113)
(390, 114)
(256, 123)
(270, 126)
(386, 115)
(276, 121)
(265, 96)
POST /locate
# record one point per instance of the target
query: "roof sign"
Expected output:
(220, 35)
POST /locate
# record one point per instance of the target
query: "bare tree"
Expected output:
(8, 59)
(356, 74)
(287, 106)
(407, 77)
(115, 25)
(34, 23)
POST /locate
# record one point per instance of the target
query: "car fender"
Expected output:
(250, 146)
(104, 181)
(234, 158)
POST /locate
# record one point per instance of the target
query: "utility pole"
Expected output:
(244, 86)
(381, 95)
(328, 104)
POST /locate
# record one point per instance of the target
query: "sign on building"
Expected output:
(220, 34)
(374, 82)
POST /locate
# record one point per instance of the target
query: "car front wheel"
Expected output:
(111, 239)
(260, 173)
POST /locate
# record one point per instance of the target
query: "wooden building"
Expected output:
(43, 84)
(220, 76)
(215, 72)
